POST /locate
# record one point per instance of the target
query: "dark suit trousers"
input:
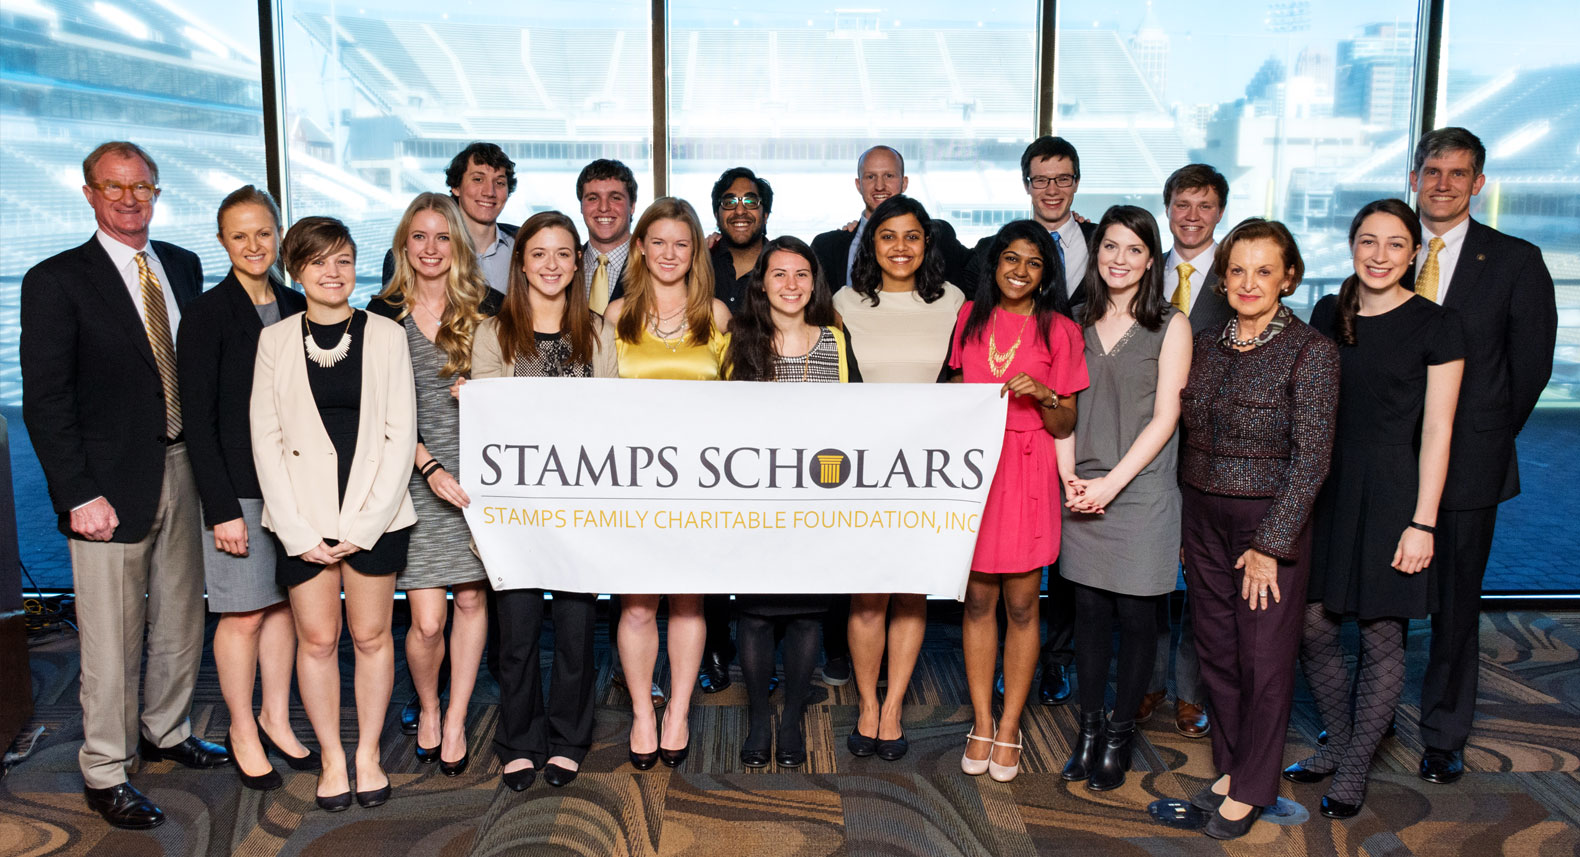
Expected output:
(527, 728)
(1247, 657)
(1448, 690)
(1058, 614)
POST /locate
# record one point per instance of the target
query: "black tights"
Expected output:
(1353, 735)
(1095, 611)
(754, 636)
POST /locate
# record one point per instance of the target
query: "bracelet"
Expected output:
(1050, 406)
(1422, 527)
(429, 468)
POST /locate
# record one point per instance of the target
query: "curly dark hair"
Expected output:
(764, 190)
(751, 354)
(1050, 297)
(867, 278)
(485, 154)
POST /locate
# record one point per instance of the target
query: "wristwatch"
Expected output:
(1052, 403)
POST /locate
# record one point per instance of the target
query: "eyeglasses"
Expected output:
(1041, 182)
(142, 191)
(750, 201)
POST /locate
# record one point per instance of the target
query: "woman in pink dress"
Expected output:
(1016, 333)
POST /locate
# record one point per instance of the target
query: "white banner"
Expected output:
(632, 486)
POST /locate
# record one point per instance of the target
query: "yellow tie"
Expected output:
(1181, 298)
(1426, 283)
(157, 319)
(598, 301)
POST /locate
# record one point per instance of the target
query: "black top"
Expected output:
(216, 347)
(1369, 497)
(726, 286)
(337, 389)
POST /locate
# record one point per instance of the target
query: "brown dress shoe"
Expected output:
(1190, 720)
(1150, 703)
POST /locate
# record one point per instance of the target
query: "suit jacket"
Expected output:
(1506, 303)
(389, 255)
(92, 398)
(216, 350)
(832, 249)
(1211, 311)
(979, 257)
(296, 459)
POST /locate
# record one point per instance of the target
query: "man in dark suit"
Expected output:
(606, 190)
(100, 398)
(481, 178)
(1504, 295)
(1193, 197)
(880, 174)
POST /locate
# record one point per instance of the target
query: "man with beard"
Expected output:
(741, 202)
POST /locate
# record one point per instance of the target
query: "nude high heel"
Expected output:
(1003, 773)
(974, 767)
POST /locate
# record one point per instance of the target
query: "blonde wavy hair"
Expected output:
(639, 281)
(464, 290)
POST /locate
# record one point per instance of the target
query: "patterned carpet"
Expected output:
(1520, 797)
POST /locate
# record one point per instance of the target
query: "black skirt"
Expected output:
(385, 556)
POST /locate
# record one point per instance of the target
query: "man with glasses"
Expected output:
(741, 203)
(481, 179)
(101, 404)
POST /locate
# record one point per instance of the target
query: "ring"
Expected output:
(1264, 593)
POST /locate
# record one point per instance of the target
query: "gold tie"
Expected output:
(1426, 283)
(598, 301)
(1181, 298)
(157, 319)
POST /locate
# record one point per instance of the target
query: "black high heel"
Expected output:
(457, 768)
(310, 762)
(263, 782)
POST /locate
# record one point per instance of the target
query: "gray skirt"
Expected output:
(241, 584)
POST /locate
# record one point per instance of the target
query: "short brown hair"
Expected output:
(1260, 229)
(1195, 177)
(117, 147)
(311, 238)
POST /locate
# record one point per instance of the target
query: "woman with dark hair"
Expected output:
(216, 348)
(439, 297)
(334, 426)
(1122, 498)
(668, 325)
(900, 313)
(1258, 411)
(1040, 369)
(544, 330)
(785, 332)
(1402, 357)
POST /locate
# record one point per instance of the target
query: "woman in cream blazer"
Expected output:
(333, 417)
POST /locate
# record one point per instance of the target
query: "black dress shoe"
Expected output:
(517, 781)
(310, 762)
(1442, 766)
(557, 776)
(1207, 800)
(790, 758)
(266, 782)
(1219, 827)
(426, 755)
(714, 675)
(409, 714)
(1298, 773)
(1114, 760)
(859, 744)
(642, 761)
(674, 758)
(124, 806)
(1054, 689)
(194, 752)
(998, 686)
(1339, 809)
(1083, 757)
(892, 750)
(755, 757)
(456, 768)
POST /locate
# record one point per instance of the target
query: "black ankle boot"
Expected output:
(1115, 759)
(1083, 759)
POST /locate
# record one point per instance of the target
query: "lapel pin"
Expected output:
(1481, 257)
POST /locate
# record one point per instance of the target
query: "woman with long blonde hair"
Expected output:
(439, 296)
(668, 325)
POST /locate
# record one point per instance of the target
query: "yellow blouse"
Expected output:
(671, 359)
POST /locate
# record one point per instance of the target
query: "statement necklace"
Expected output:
(330, 356)
(998, 363)
(1274, 325)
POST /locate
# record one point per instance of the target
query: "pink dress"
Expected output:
(1020, 526)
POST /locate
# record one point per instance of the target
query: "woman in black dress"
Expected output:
(334, 429)
(1402, 357)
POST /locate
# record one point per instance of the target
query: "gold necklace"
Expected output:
(998, 363)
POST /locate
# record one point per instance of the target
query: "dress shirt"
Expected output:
(125, 260)
(1074, 242)
(1203, 265)
(617, 259)
(1447, 258)
(494, 261)
(850, 258)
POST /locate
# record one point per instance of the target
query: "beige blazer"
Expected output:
(297, 468)
(489, 362)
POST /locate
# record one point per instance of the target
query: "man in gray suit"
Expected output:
(1194, 197)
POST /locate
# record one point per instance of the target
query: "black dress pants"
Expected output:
(1058, 615)
(1448, 690)
(527, 728)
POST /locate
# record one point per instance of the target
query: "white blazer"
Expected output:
(297, 466)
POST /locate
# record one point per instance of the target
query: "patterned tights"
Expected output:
(1356, 710)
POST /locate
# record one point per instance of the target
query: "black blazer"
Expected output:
(832, 249)
(215, 352)
(91, 395)
(389, 255)
(979, 256)
(1504, 295)
(1211, 311)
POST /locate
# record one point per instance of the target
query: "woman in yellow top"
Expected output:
(668, 325)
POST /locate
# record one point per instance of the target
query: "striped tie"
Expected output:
(1426, 282)
(157, 319)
